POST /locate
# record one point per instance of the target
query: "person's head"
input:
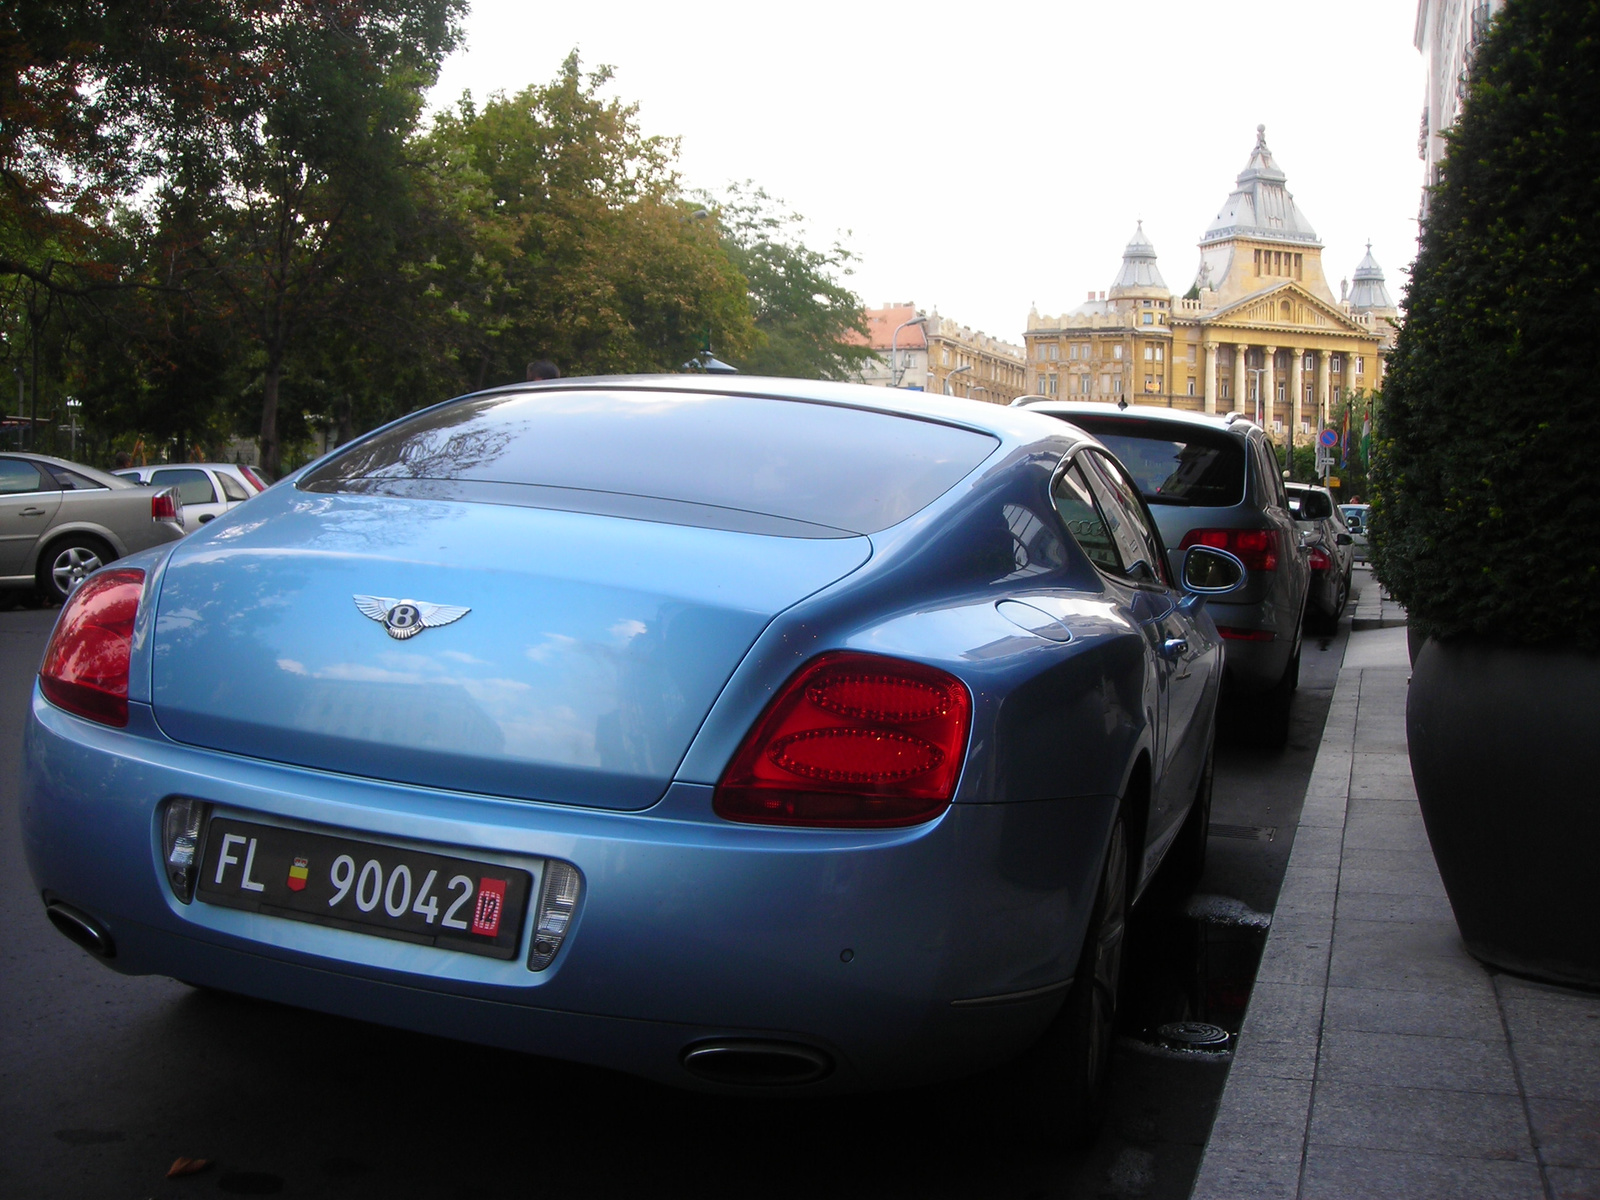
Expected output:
(122, 459)
(543, 368)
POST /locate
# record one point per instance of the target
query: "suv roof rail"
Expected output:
(1024, 401)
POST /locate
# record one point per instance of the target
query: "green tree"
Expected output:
(803, 310)
(575, 242)
(1486, 509)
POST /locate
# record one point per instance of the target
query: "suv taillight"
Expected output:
(1257, 549)
(1320, 560)
(85, 667)
(164, 507)
(852, 740)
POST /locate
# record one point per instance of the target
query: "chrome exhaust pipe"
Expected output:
(81, 928)
(746, 1063)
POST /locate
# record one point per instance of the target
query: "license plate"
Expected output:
(409, 895)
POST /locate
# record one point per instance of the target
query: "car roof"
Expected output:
(94, 473)
(1013, 425)
(1141, 412)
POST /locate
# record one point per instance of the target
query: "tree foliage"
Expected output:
(1486, 509)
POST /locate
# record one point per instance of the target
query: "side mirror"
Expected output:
(1344, 539)
(1208, 571)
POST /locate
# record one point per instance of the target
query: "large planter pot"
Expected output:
(1505, 752)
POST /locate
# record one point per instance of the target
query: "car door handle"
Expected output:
(31, 512)
(1173, 647)
(204, 517)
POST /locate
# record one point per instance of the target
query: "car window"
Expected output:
(1270, 478)
(130, 476)
(231, 487)
(193, 484)
(1172, 462)
(1076, 504)
(17, 476)
(72, 481)
(814, 469)
(1136, 542)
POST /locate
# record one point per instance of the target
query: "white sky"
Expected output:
(980, 157)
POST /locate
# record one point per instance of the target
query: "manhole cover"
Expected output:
(1193, 1035)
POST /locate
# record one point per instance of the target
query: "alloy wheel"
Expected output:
(72, 566)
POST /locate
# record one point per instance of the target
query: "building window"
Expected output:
(1149, 352)
(1086, 352)
(1191, 385)
(1224, 386)
(1083, 384)
(1116, 351)
(1161, 353)
(1308, 362)
(1041, 351)
(1074, 352)
(1192, 349)
(1277, 425)
(944, 352)
(1258, 262)
(1116, 383)
(1055, 352)
(1336, 363)
(1360, 364)
(1149, 318)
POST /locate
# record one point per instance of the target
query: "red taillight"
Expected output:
(1319, 559)
(86, 664)
(1245, 635)
(255, 479)
(852, 740)
(1257, 549)
(163, 507)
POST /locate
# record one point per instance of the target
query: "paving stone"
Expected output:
(1248, 1171)
(1568, 1131)
(1386, 831)
(1281, 1027)
(1411, 956)
(1464, 1013)
(1418, 859)
(1375, 906)
(1316, 847)
(1297, 952)
(1422, 1121)
(1538, 1012)
(1267, 1110)
(1569, 1184)
(1410, 1060)
(1389, 883)
(1558, 1072)
(1345, 1173)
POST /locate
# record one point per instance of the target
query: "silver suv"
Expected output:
(1215, 481)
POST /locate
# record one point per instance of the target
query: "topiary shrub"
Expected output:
(1487, 464)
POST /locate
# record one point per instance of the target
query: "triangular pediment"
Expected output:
(1288, 306)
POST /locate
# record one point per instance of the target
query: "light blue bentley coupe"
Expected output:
(739, 733)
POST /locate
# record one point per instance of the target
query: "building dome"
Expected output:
(1139, 275)
(1369, 293)
(1261, 205)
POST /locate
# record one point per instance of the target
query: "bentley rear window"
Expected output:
(733, 462)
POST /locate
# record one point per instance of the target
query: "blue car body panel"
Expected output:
(902, 954)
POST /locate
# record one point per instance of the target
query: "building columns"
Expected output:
(1296, 390)
(1211, 377)
(1241, 376)
(1322, 388)
(1269, 386)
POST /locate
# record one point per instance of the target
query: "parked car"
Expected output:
(60, 520)
(1355, 519)
(208, 489)
(749, 734)
(1214, 481)
(1330, 550)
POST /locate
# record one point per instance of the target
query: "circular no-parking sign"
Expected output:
(1327, 439)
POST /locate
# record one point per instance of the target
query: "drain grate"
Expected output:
(1244, 833)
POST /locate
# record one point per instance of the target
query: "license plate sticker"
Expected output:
(408, 895)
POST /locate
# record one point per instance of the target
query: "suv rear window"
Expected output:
(731, 462)
(1173, 463)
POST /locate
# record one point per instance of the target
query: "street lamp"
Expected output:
(894, 342)
(976, 388)
(952, 375)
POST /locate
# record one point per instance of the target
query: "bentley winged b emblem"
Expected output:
(407, 618)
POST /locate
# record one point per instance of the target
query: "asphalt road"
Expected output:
(106, 1079)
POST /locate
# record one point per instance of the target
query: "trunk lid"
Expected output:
(593, 648)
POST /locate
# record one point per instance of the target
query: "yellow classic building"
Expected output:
(1259, 331)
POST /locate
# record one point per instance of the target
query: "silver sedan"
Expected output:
(61, 520)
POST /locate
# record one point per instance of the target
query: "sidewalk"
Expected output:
(1374, 607)
(1377, 1057)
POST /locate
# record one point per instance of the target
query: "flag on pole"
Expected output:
(1366, 438)
(1344, 440)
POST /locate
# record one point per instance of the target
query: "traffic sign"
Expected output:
(1328, 438)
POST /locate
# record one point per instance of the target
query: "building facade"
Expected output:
(924, 351)
(1259, 331)
(1447, 36)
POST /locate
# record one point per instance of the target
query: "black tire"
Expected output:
(1185, 862)
(1273, 710)
(1068, 1072)
(64, 563)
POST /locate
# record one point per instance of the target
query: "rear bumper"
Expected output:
(690, 928)
(1252, 667)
